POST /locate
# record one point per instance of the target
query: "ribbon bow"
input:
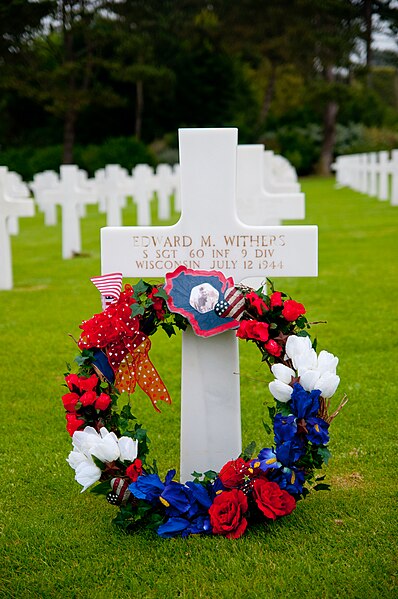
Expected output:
(126, 347)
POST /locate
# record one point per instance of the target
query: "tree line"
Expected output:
(81, 71)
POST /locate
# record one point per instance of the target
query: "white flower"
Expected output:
(283, 373)
(299, 350)
(281, 391)
(87, 473)
(84, 440)
(314, 372)
(105, 446)
(297, 345)
(327, 362)
(75, 458)
(328, 384)
(309, 380)
(128, 449)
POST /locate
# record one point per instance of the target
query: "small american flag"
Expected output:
(109, 286)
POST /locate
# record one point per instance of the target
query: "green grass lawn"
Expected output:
(56, 542)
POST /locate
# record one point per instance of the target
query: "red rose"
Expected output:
(292, 310)
(251, 329)
(70, 400)
(134, 470)
(88, 384)
(72, 380)
(88, 398)
(271, 499)
(73, 423)
(103, 402)
(273, 348)
(256, 302)
(276, 299)
(233, 473)
(227, 514)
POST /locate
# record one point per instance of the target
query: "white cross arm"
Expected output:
(276, 251)
(15, 207)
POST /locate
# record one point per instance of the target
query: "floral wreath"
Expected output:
(111, 449)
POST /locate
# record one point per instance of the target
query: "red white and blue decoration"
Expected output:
(208, 300)
(110, 448)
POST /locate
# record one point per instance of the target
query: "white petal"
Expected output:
(297, 345)
(83, 440)
(107, 449)
(75, 458)
(87, 473)
(280, 391)
(305, 361)
(128, 449)
(309, 380)
(328, 384)
(327, 362)
(282, 373)
(104, 432)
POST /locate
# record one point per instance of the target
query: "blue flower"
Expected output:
(266, 460)
(318, 431)
(215, 488)
(290, 452)
(304, 404)
(289, 479)
(149, 486)
(173, 527)
(176, 526)
(285, 428)
(176, 498)
(200, 494)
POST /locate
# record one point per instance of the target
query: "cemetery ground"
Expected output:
(57, 542)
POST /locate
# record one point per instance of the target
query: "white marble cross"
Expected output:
(256, 205)
(164, 189)
(9, 207)
(41, 182)
(209, 236)
(279, 175)
(70, 195)
(143, 181)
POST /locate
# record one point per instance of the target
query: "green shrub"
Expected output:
(126, 151)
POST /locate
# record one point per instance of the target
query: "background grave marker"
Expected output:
(10, 206)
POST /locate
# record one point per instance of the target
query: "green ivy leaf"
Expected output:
(140, 288)
(283, 408)
(324, 453)
(248, 451)
(137, 310)
(302, 333)
(161, 293)
(322, 487)
(267, 427)
(98, 463)
(210, 475)
(102, 488)
(168, 328)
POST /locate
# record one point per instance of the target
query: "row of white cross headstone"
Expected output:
(374, 173)
(208, 236)
(267, 192)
